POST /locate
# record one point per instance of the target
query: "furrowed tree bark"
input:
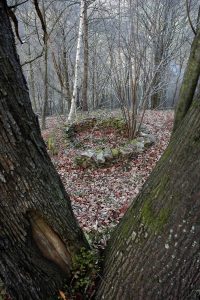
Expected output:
(154, 252)
(190, 81)
(39, 235)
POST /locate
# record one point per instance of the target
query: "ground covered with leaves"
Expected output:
(100, 196)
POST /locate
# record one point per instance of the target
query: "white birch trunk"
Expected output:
(77, 65)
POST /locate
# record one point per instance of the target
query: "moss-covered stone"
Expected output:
(83, 162)
(85, 124)
(133, 142)
(115, 152)
(116, 123)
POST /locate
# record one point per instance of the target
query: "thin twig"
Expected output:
(33, 59)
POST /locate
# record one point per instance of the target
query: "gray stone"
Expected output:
(149, 139)
(88, 153)
(137, 144)
(127, 151)
(100, 159)
(144, 129)
(108, 154)
(140, 139)
(140, 146)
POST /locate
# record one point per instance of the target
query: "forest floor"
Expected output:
(100, 196)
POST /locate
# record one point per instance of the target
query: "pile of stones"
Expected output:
(106, 156)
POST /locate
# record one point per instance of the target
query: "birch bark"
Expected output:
(77, 65)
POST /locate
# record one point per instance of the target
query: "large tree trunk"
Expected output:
(154, 252)
(190, 81)
(38, 232)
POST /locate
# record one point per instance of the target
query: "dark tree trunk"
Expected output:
(46, 89)
(45, 104)
(190, 81)
(154, 252)
(38, 232)
(157, 94)
(67, 90)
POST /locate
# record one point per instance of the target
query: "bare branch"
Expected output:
(33, 59)
(188, 15)
(17, 4)
(39, 13)
(15, 22)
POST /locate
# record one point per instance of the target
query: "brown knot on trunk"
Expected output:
(49, 243)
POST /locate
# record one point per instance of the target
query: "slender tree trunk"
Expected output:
(94, 59)
(31, 72)
(62, 106)
(32, 85)
(45, 100)
(174, 98)
(190, 81)
(67, 90)
(46, 88)
(157, 94)
(154, 252)
(77, 65)
(39, 235)
(133, 115)
(85, 59)
(32, 81)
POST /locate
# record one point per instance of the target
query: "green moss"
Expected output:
(134, 142)
(51, 145)
(115, 152)
(82, 161)
(116, 123)
(84, 271)
(126, 227)
(195, 103)
(155, 222)
(166, 153)
(152, 215)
